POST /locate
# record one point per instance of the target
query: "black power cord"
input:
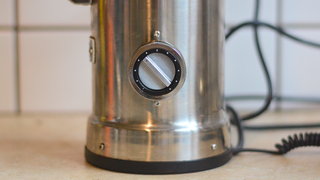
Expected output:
(269, 96)
(310, 139)
(282, 98)
(235, 119)
(278, 29)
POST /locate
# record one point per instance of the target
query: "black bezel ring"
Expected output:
(154, 92)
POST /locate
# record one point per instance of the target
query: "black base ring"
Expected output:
(169, 167)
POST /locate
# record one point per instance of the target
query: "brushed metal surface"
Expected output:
(182, 127)
(166, 143)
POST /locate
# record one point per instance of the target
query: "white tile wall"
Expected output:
(301, 72)
(7, 73)
(6, 12)
(55, 72)
(244, 75)
(301, 11)
(237, 11)
(242, 68)
(53, 12)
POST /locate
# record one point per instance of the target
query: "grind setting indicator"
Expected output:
(158, 71)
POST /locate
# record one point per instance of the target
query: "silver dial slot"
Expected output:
(157, 71)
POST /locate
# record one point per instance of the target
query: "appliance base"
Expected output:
(165, 167)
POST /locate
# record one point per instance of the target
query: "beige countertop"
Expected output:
(52, 147)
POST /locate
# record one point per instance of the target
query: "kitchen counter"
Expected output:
(45, 146)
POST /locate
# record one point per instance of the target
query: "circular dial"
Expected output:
(158, 71)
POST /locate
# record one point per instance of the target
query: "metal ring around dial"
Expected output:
(177, 60)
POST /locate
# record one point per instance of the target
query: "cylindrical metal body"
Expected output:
(188, 126)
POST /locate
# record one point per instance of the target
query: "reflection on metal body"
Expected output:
(160, 143)
(184, 126)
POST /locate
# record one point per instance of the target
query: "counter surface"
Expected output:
(43, 146)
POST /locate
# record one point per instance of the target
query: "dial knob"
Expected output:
(157, 71)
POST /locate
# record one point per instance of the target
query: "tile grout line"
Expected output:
(6, 28)
(46, 28)
(17, 58)
(301, 25)
(287, 25)
(278, 90)
(86, 28)
(55, 28)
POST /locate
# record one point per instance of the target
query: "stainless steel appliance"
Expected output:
(158, 86)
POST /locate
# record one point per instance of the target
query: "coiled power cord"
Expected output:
(309, 139)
